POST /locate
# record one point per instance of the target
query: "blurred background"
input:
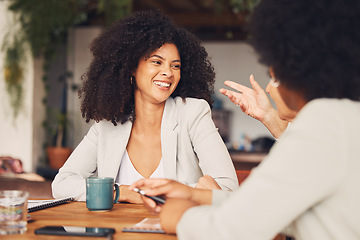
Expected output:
(45, 50)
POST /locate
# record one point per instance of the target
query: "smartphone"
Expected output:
(159, 200)
(75, 231)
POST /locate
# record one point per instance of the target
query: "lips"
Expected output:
(162, 84)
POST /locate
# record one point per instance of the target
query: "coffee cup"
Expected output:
(100, 193)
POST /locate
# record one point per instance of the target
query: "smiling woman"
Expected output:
(149, 90)
(158, 76)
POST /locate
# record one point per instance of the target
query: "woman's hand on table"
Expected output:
(169, 189)
(172, 212)
(127, 195)
(161, 187)
(207, 182)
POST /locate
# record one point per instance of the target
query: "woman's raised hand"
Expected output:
(253, 102)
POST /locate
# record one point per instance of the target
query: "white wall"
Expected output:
(16, 135)
(235, 61)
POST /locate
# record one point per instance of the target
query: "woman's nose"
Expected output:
(166, 71)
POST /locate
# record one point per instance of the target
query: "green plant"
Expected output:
(244, 6)
(57, 128)
(57, 122)
(44, 25)
(237, 6)
(13, 75)
(114, 9)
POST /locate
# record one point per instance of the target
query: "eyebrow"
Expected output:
(163, 58)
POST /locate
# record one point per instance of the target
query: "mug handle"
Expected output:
(117, 195)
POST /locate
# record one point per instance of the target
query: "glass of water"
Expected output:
(13, 211)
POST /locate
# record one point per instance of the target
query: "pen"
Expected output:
(157, 199)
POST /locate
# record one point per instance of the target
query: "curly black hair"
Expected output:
(107, 92)
(312, 46)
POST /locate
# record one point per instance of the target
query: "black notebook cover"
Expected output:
(42, 204)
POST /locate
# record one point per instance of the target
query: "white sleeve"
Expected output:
(82, 163)
(214, 158)
(302, 168)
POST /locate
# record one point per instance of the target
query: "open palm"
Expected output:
(253, 102)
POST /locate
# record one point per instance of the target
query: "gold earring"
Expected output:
(131, 79)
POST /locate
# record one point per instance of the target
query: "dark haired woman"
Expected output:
(309, 184)
(149, 90)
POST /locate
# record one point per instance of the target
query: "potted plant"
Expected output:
(58, 152)
(57, 126)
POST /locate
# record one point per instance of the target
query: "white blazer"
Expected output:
(190, 143)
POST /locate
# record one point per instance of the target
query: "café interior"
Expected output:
(44, 54)
(49, 90)
(46, 120)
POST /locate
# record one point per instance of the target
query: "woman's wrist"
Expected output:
(269, 117)
(123, 195)
(127, 195)
(274, 124)
(201, 196)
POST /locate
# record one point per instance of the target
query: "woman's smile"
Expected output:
(162, 85)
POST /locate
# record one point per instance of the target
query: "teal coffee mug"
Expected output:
(100, 193)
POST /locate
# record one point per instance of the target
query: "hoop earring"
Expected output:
(131, 79)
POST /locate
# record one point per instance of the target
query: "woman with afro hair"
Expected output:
(308, 186)
(148, 88)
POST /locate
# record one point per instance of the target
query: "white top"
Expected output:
(309, 184)
(128, 174)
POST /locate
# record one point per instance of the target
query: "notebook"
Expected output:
(34, 205)
(147, 225)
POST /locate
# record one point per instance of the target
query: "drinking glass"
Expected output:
(13, 211)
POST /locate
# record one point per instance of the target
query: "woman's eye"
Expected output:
(156, 62)
(176, 66)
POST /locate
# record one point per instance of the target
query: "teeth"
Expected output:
(162, 84)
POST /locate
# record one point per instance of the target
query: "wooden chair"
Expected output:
(242, 175)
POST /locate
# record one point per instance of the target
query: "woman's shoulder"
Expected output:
(187, 110)
(332, 106)
(102, 124)
(107, 126)
(327, 113)
(191, 103)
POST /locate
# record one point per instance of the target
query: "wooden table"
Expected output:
(76, 214)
